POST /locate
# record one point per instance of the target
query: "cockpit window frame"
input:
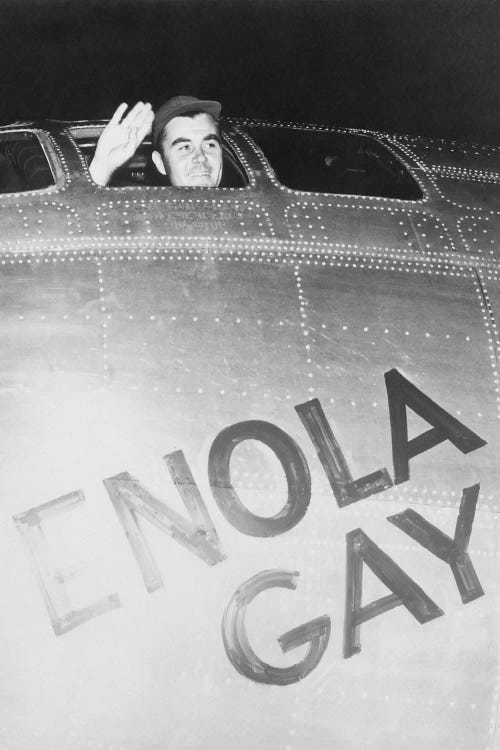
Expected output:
(244, 129)
(92, 132)
(48, 151)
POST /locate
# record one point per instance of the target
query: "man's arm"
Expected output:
(119, 140)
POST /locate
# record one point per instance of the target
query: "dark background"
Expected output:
(429, 67)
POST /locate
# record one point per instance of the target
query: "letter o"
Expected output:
(294, 465)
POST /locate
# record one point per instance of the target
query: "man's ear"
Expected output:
(158, 162)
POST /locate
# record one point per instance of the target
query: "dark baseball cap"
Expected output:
(182, 105)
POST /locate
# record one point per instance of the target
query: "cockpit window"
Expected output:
(329, 162)
(140, 170)
(23, 164)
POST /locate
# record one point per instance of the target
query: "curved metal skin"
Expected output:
(139, 323)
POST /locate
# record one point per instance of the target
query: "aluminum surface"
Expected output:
(138, 321)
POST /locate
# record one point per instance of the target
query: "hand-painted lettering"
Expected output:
(196, 531)
(346, 489)
(405, 592)
(401, 393)
(451, 551)
(197, 534)
(52, 581)
(294, 465)
(241, 655)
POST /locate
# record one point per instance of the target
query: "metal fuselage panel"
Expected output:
(139, 322)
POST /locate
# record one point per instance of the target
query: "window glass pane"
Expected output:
(334, 163)
(23, 164)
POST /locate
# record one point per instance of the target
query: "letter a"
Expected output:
(361, 549)
(401, 393)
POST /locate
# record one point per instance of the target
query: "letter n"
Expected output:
(405, 592)
(197, 533)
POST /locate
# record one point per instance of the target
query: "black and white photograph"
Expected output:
(249, 378)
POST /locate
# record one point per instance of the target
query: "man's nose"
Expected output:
(199, 154)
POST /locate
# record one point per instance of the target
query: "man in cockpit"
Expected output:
(185, 138)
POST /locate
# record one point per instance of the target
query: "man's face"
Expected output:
(191, 153)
